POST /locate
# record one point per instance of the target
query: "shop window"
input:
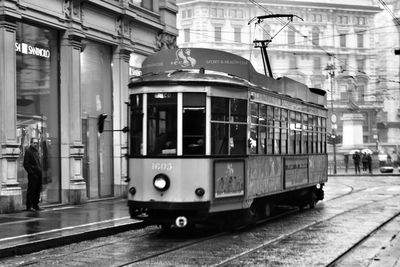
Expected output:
(37, 74)
(96, 98)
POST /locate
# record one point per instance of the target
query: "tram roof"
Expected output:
(185, 65)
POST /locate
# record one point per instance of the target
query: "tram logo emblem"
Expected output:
(183, 58)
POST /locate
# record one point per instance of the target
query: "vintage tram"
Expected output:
(210, 138)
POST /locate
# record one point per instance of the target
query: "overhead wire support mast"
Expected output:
(263, 44)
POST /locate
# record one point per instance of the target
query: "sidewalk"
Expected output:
(26, 231)
(351, 172)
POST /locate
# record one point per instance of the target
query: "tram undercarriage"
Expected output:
(187, 214)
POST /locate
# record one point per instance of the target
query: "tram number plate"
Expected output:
(164, 166)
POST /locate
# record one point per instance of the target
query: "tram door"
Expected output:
(96, 98)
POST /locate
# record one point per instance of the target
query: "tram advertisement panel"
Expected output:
(228, 178)
(296, 171)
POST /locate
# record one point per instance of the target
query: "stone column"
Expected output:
(352, 130)
(120, 73)
(72, 151)
(10, 191)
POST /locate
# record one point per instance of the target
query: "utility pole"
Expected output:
(331, 72)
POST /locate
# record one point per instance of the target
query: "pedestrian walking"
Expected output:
(364, 161)
(33, 168)
(369, 163)
(356, 159)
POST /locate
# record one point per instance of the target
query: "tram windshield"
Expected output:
(161, 123)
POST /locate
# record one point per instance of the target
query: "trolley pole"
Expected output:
(331, 71)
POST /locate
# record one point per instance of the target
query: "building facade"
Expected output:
(62, 64)
(388, 31)
(329, 45)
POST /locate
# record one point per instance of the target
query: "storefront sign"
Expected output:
(32, 50)
(134, 71)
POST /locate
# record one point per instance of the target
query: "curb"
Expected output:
(34, 246)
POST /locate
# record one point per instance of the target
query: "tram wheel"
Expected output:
(313, 200)
(267, 210)
(253, 214)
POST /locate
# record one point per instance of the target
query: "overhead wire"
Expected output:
(312, 42)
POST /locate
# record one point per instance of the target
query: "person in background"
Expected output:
(364, 161)
(33, 168)
(356, 159)
(369, 163)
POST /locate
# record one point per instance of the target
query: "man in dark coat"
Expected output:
(33, 168)
(356, 158)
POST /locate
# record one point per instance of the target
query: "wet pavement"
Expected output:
(27, 231)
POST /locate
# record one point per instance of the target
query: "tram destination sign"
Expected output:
(195, 58)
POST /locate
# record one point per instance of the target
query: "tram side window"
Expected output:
(162, 123)
(305, 134)
(298, 133)
(228, 137)
(277, 130)
(323, 135)
(263, 123)
(284, 131)
(310, 134)
(254, 140)
(194, 123)
(270, 136)
(292, 127)
(315, 134)
(136, 124)
(319, 144)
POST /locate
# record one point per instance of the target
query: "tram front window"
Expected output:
(194, 123)
(162, 124)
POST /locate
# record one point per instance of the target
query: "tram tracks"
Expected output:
(275, 240)
(165, 244)
(357, 245)
(281, 238)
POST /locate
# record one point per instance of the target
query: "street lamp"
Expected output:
(331, 72)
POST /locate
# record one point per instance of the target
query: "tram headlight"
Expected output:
(161, 182)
